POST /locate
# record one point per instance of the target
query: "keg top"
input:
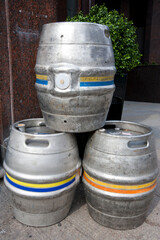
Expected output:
(125, 129)
(32, 135)
(33, 127)
(75, 33)
(77, 23)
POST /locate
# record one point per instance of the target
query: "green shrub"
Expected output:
(123, 35)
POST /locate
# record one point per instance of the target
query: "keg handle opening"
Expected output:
(37, 143)
(138, 144)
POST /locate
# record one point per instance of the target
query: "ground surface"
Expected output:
(78, 225)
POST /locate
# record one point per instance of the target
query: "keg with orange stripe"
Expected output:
(120, 174)
(42, 171)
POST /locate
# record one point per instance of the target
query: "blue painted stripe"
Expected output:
(96, 84)
(42, 133)
(40, 189)
(40, 81)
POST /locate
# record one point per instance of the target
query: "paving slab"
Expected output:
(78, 225)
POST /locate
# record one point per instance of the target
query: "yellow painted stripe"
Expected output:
(96, 79)
(120, 186)
(46, 185)
(43, 77)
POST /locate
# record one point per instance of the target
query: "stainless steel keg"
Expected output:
(3, 154)
(120, 170)
(4, 147)
(75, 69)
(42, 170)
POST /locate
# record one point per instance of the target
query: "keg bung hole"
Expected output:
(65, 121)
(42, 124)
(106, 33)
(62, 36)
(21, 127)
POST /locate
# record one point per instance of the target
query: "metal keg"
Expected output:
(4, 147)
(75, 69)
(3, 154)
(42, 170)
(120, 171)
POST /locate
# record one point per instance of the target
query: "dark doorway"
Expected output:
(110, 4)
(138, 14)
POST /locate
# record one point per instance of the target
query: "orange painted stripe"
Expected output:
(125, 187)
(118, 190)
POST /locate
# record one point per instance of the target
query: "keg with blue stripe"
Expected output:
(120, 174)
(42, 171)
(75, 71)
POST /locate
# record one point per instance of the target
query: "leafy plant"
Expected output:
(123, 35)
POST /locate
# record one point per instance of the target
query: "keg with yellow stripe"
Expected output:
(42, 171)
(75, 71)
(120, 174)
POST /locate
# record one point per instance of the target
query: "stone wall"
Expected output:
(21, 24)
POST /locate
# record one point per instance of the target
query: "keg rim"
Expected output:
(14, 128)
(148, 128)
(77, 23)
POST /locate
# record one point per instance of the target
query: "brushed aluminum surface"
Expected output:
(42, 170)
(75, 71)
(120, 171)
(3, 154)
